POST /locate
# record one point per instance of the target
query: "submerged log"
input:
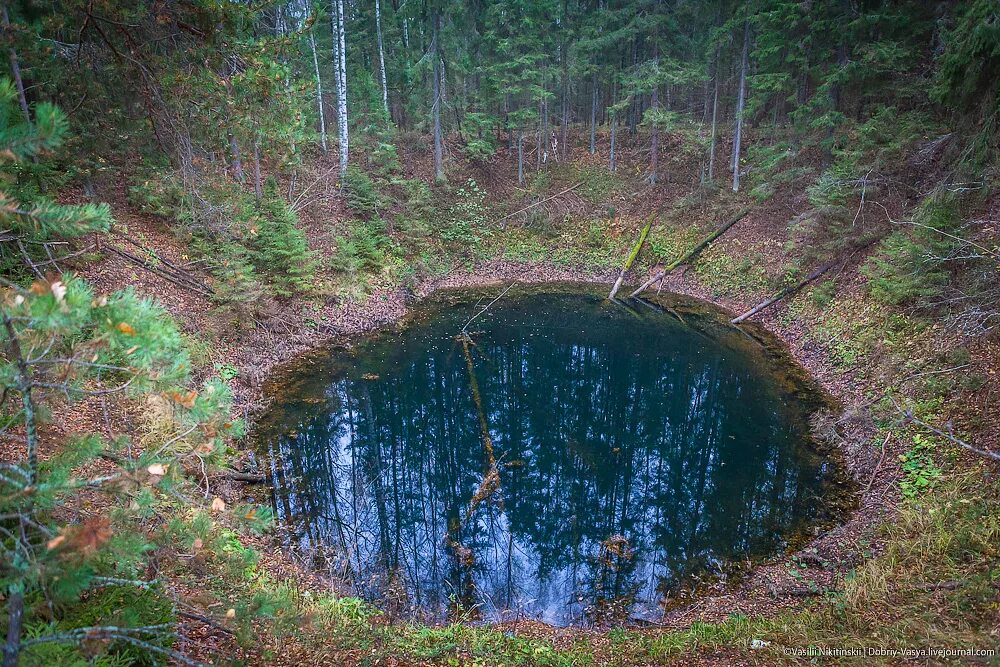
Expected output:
(788, 291)
(636, 249)
(686, 257)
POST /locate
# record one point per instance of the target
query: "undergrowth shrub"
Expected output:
(278, 247)
(912, 266)
(362, 196)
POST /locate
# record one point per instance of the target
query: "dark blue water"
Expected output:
(572, 460)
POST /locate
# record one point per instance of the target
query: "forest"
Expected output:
(196, 196)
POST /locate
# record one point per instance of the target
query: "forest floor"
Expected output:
(717, 624)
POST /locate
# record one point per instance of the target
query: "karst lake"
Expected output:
(559, 457)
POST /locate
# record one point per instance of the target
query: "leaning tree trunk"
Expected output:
(740, 105)
(381, 58)
(686, 257)
(636, 249)
(15, 68)
(319, 91)
(436, 102)
(341, 67)
(788, 291)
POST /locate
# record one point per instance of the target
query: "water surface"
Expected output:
(572, 460)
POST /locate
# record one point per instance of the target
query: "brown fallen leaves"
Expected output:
(84, 538)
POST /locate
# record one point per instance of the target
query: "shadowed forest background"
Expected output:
(191, 191)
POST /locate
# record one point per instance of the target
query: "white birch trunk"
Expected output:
(341, 67)
(381, 57)
(319, 92)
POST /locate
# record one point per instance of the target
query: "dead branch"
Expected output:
(542, 201)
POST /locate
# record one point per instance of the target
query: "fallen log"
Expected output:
(788, 291)
(686, 257)
(176, 278)
(631, 258)
(246, 477)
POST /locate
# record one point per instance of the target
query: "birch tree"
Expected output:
(381, 57)
(340, 63)
(319, 91)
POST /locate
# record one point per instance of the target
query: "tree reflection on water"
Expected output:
(631, 452)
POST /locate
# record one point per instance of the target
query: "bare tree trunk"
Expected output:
(520, 157)
(715, 116)
(436, 102)
(15, 68)
(564, 127)
(258, 185)
(234, 149)
(740, 105)
(15, 616)
(614, 134)
(788, 291)
(654, 140)
(381, 58)
(319, 91)
(564, 130)
(686, 257)
(636, 249)
(593, 115)
(341, 67)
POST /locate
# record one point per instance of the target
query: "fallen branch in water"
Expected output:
(465, 327)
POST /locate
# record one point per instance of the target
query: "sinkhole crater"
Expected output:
(566, 458)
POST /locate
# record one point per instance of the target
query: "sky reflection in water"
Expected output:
(631, 451)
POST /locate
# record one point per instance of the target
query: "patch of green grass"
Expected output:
(725, 273)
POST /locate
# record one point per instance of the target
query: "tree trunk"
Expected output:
(15, 616)
(15, 68)
(614, 135)
(593, 115)
(381, 58)
(520, 157)
(234, 150)
(788, 291)
(686, 257)
(740, 105)
(636, 249)
(341, 67)
(654, 140)
(564, 127)
(715, 117)
(258, 185)
(436, 102)
(319, 91)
